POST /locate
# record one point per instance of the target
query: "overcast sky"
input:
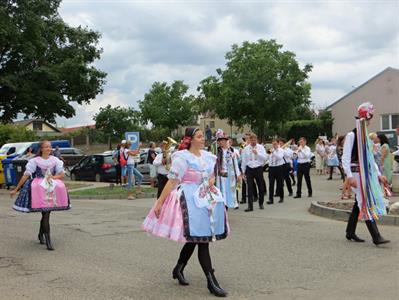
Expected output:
(145, 41)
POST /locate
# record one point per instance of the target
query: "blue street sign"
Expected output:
(134, 137)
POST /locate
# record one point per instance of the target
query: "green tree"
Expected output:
(260, 86)
(12, 134)
(115, 121)
(45, 65)
(168, 106)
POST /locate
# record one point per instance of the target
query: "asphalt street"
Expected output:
(282, 252)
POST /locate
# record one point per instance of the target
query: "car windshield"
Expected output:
(4, 150)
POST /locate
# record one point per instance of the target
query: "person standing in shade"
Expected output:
(276, 162)
(253, 159)
(160, 162)
(208, 133)
(364, 178)
(150, 160)
(287, 167)
(304, 160)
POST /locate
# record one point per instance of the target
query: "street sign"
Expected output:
(134, 137)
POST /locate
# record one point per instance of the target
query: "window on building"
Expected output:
(37, 126)
(389, 122)
(395, 121)
(212, 124)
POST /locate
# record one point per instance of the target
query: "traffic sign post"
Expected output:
(134, 138)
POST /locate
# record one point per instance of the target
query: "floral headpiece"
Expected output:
(365, 111)
(220, 135)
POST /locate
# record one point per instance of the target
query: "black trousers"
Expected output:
(341, 171)
(162, 180)
(303, 171)
(286, 175)
(203, 255)
(255, 174)
(276, 175)
(352, 223)
(118, 179)
(244, 192)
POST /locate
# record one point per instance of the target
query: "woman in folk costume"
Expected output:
(191, 209)
(42, 190)
(227, 172)
(364, 177)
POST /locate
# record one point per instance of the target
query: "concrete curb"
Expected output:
(343, 215)
(113, 197)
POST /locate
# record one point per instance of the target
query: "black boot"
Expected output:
(48, 241)
(354, 238)
(40, 235)
(178, 274)
(375, 234)
(213, 285)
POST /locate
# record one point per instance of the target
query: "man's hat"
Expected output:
(123, 142)
(220, 135)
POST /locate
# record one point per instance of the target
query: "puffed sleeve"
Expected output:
(210, 161)
(59, 166)
(30, 167)
(179, 166)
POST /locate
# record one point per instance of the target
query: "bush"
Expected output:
(310, 129)
(13, 134)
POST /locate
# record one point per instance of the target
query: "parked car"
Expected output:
(144, 167)
(70, 151)
(96, 167)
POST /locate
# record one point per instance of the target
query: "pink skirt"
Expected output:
(170, 222)
(56, 199)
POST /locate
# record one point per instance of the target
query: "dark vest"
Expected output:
(355, 155)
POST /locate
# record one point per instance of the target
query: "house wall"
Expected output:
(382, 91)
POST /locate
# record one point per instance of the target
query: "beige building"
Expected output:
(383, 91)
(40, 127)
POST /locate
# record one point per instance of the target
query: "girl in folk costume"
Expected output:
(42, 190)
(363, 176)
(191, 209)
(227, 172)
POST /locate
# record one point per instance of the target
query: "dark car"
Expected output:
(97, 167)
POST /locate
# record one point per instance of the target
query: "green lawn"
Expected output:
(108, 191)
(75, 185)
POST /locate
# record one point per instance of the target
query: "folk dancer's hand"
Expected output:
(383, 179)
(352, 182)
(211, 181)
(157, 209)
(13, 192)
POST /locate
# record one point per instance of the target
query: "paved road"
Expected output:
(282, 252)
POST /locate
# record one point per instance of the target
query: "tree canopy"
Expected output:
(45, 65)
(115, 121)
(260, 86)
(168, 106)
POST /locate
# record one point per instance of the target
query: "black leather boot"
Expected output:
(48, 241)
(375, 234)
(178, 274)
(354, 237)
(213, 285)
(40, 235)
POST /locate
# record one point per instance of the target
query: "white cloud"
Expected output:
(145, 41)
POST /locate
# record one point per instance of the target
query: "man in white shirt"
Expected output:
(353, 168)
(253, 159)
(287, 167)
(276, 162)
(304, 160)
(160, 163)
